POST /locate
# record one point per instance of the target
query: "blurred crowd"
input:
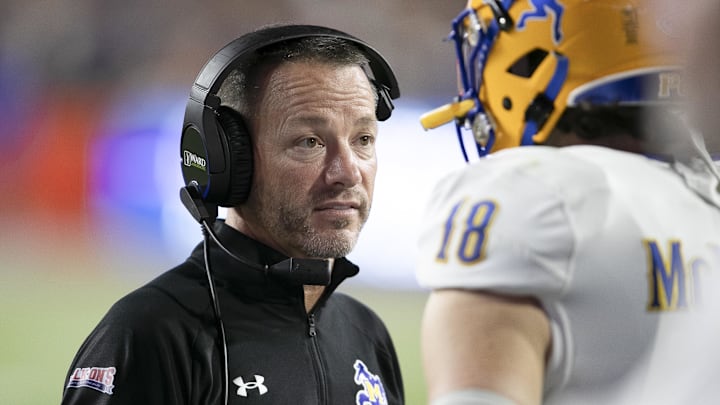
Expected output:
(91, 93)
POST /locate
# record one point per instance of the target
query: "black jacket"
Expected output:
(160, 345)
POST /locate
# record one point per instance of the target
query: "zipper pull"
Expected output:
(311, 322)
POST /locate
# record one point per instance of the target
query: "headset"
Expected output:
(215, 148)
(216, 152)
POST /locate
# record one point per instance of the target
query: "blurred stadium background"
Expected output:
(91, 101)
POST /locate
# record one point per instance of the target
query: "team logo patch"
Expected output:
(540, 12)
(97, 378)
(372, 392)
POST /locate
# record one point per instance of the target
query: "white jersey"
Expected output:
(613, 244)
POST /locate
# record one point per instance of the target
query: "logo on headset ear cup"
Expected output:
(240, 156)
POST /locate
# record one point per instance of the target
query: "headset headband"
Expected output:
(226, 59)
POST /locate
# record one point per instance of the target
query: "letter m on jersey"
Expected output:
(667, 277)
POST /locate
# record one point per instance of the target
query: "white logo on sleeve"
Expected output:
(243, 386)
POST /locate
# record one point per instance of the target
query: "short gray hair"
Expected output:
(240, 90)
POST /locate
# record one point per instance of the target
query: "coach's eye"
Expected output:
(311, 143)
(366, 140)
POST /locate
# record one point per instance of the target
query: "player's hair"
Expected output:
(654, 127)
(596, 122)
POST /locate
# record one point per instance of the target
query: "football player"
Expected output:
(590, 219)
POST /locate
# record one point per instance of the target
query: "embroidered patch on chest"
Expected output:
(244, 386)
(372, 392)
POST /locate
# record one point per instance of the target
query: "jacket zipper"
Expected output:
(322, 383)
(311, 323)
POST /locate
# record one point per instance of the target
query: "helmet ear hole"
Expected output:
(528, 63)
(507, 103)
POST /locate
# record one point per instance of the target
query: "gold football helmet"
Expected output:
(521, 63)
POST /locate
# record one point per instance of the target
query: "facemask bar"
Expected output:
(473, 42)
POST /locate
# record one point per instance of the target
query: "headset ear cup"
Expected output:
(240, 156)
